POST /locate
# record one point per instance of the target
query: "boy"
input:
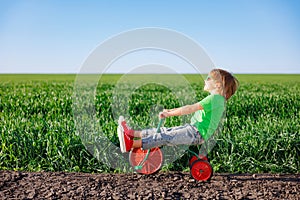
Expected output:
(207, 115)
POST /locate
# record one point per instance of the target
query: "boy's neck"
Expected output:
(215, 91)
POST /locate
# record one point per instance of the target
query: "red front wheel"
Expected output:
(201, 170)
(150, 165)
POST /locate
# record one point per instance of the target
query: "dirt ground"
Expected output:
(171, 185)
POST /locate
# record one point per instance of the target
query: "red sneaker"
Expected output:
(125, 141)
(126, 129)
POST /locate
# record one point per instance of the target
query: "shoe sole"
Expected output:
(121, 134)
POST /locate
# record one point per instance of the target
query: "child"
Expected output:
(207, 115)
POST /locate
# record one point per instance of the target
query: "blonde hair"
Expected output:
(229, 83)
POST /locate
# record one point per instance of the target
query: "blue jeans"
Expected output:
(187, 135)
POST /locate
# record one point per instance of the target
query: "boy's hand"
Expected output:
(163, 114)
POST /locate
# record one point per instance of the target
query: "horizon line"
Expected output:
(51, 73)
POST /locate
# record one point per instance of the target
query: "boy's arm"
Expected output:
(184, 110)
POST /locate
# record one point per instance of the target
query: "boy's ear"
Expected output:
(218, 85)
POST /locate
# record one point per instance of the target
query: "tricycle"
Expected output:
(150, 161)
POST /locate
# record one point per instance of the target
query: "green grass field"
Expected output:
(37, 131)
(113, 78)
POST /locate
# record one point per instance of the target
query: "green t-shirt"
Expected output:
(208, 119)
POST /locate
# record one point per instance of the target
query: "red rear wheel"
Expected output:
(204, 158)
(201, 170)
(192, 159)
(151, 165)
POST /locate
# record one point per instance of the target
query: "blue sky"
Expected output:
(244, 36)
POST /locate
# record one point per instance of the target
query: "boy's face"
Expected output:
(209, 84)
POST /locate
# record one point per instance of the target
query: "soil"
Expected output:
(170, 185)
